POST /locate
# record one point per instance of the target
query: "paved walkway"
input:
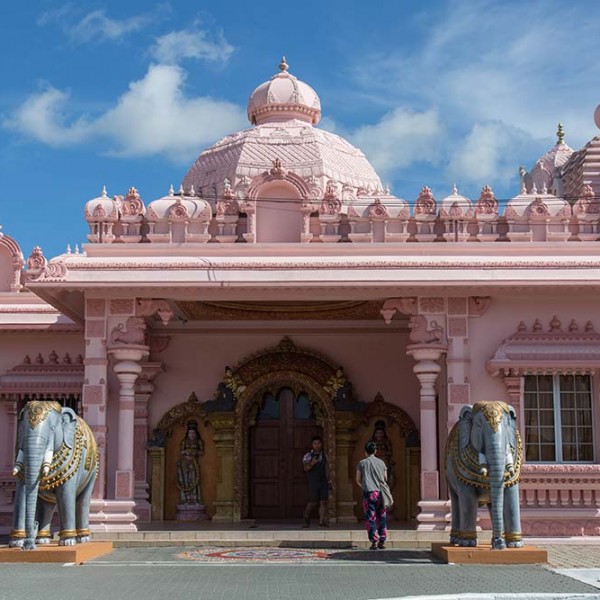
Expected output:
(219, 573)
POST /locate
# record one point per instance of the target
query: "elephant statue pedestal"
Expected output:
(53, 553)
(484, 455)
(484, 555)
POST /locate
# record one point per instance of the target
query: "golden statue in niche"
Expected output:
(190, 507)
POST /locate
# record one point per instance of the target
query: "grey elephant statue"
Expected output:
(484, 455)
(56, 467)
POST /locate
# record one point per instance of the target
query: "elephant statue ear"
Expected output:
(69, 424)
(465, 422)
(20, 425)
(513, 426)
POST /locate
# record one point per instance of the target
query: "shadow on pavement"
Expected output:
(401, 557)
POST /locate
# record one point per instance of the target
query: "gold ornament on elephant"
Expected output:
(37, 411)
(493, 412)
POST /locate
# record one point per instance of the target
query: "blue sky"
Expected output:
(129, 93)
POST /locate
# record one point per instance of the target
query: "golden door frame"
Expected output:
(283, 366)
(245, 415)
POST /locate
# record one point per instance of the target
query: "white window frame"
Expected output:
(556, 404)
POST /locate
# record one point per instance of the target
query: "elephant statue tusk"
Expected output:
(18, 463)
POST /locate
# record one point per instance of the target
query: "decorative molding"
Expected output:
(576, 350)
(39, 269)
(44, 377)
(407, 306)
(191, 407)
(478, 305)
(251, 311)
(380, 408)
(148, 307)
(403, 263)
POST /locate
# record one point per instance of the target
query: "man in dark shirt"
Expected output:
(317, 472)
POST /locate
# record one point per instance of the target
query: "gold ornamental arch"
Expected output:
(283, 366)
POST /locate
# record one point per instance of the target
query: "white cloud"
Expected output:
(505, 69)
(193, 42)
(43, 116)
(487, 154)
(156, 117)
(96, 24)
(400, 138)
(153, 117)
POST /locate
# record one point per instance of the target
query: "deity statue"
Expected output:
(385, 450)
(188, 475)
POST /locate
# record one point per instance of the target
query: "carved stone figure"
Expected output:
(134, 332)
(419, 334)
(484, 455)
(56, 466)
(188, 474)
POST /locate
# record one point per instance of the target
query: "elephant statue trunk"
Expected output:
(34, 456)
(495, 454)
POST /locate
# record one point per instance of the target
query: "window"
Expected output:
(558, 418)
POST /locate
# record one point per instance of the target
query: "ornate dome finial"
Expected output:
(104, 194)
(560, 134)
(283, 66)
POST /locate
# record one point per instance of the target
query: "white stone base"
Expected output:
(434, 515)
(112, 515)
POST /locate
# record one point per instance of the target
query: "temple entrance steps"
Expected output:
(249, 533)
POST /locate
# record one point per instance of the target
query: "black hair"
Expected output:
(316, 438)
(370, 447)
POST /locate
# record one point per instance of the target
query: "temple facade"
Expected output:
(281, 292)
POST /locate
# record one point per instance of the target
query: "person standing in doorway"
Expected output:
(371, 476)
(317, 472)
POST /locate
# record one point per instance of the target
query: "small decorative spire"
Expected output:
(192, 190)
(283, 66)
(68, 248)
(171, 190)
(560, 134)
(454, 190)
(181, 191)
(76, 248)
(104, 194)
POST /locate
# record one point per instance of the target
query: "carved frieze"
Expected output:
(553, 350)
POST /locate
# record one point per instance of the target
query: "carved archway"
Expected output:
(285, 365)
(404, 437)
(164, 454)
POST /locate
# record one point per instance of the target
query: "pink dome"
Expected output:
(179, 207)
(282, 98)
(456, 206)
(102, 208)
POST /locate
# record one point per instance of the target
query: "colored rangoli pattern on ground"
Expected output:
(254, 554)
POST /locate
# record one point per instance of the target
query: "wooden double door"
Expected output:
(278, 487)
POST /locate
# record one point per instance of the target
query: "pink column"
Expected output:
(94, 397)
(144, 389)
(427, 369)
(127, 370)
